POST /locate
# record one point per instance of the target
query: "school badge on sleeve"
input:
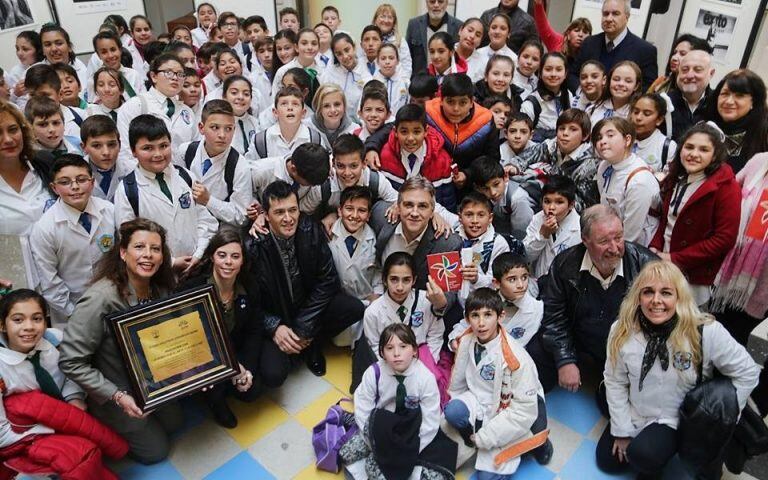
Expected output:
(417, 319)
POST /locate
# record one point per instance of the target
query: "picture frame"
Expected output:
(174, 347)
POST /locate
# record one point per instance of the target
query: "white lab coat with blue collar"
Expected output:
(542, 251)
(351, 82)
(65, 253)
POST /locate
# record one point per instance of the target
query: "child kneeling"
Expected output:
(497, 402)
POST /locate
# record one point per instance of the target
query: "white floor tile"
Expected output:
(565, 441)
(299, 390)
(202, 450)
(285, 451)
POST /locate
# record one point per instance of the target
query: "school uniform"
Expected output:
(189, 226)
(522, 319)
(270, 169)
(257, 103)
(415, 312)
(519, 160)
(496, 383)
(101, 109)
(605, 109)
(267, 117)
(262, 82)
(199, 36)
(65, 251)
(512, 213)
(80, 69)
(314, 198)
(528, 84)
(18, 376)
(68, 144)
(580, 101)
(210, 82)
(351, 83)
(405, 63)
(485, 249)
(631, 188)
(478, 62)
(397, 92)
(105, 182)
(246, 127)
(131, 78)
(73, 117)
(180, 123)
(242, 50)
(278, 146)
(550, 112)
(224, 207)
(324, 58)
(651, 150)
(542, 251)
(360, 275)
(138, 64)
(277, 82)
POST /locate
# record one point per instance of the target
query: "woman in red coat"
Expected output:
(701, 205)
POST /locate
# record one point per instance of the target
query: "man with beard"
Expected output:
(421, 29)
(692, 93)
(586, 286)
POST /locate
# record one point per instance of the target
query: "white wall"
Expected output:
(41, 13)
(661, 31)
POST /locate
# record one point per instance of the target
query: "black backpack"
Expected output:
(132, 189)
(536, 108)
(260, 141)
(229, 166)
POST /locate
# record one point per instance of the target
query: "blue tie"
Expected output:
(469, 243)
(85, 221)
(207, 164)
(412, 160)
(324, 59)
(351, 244)
(372, 67)
(607, 176)
(106, 180)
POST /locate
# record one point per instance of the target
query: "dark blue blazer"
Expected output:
(631, 48)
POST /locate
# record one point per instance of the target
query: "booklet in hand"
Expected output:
(445, 270)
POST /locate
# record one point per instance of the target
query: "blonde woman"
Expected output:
(331, 118)
(385, 17)
(654, 352)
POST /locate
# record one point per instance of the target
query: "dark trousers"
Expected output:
(738, 323)
(648, 453)
(363, 357)
(342, 311)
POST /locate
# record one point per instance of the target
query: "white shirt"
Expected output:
(279, 146)
(485, 249)
(398, 243)
(257, 103)
(528, 84)
(359, 274)
(261, 82)
(245, 130)
(230, 211)
(427, 327)
(199, 36)
(476, 63)
(266, 170)
(405, 160)
(119, 171)
(181, 125)
(100, 109)
(397, 92)
(631, 197)
(650, 149)
(521, 324)
(277, 82)
(189, 226)
(71, 128)
(589, 266)
(65, 253)
(619, 38)
(210, 83)
(542, 251)
(601, 110)
(139, 64)
(550, 111)
(351, 82)
(20, 210)
(580, 101)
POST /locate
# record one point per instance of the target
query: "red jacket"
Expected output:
(74, 452)
(706, 228)
(436, 166)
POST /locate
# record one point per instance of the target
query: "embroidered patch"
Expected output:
(185, 201)
(186, 117)
(682, 360)
(48, 204)
(417, 319)
(488, 372)
(517, 332)
(105, 242)
(411, 402)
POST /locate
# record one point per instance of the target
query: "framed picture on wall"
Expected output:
(15, 14)
(717, 29)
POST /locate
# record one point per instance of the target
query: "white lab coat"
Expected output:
(360, 275)
(314, 198)
(134, 78)
(245, 130)
(663, 391)
(65, 253)
(521, 326)
(71, 128)
(397, 92)
(189, 225)
(476, 63)
(257, 103)
(266, 170)
(351, 82)
(542, 251)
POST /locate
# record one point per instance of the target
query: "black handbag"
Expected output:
(749, 440)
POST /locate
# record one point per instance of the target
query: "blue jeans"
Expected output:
(492, 476)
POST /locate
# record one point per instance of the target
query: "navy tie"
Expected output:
(372, 67)
(412, 160)
(469, 243)
(207, 164)
(106, 180)
(324, 58)
(607, 176)
(351, 243)
(85, 221)
(479, 353)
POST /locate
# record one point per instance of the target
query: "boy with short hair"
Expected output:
(71, 236)
(289, 19)
(556, 227)
(289, 132)
(497, 403)
(422, 89)
(374, 109)
(261, 66)
(47, 123)
(414, 148)
(370, 42)
(70, 86)
(477, 233)
(518, 147)
(330, 16)
(501, 108)
(225, 189)
(100, 141)
(229, 25)
(191, 93)
(162, 192)
(42, 79)
(511, 203)
(205, 55)
(308, 166)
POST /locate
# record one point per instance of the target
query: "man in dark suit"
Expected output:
(421, 29)
(523, 26)
(616, 44)
(414, 232)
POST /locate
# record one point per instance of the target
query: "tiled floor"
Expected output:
(273, 438)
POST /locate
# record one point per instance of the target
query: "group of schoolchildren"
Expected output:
(193, 148)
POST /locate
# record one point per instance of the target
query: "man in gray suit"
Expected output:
(421, 29)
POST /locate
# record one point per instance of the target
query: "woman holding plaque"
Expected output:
(220, 266)
(136, 270)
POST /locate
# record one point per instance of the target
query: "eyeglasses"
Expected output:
(171, 74)
(230, 24)
(67, 182)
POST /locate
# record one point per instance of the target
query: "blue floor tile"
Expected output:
(582, 465)
(578, 411)
(242, 466)
(159, 471)
(529, 470)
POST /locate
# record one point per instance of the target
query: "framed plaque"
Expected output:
(174, 347)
